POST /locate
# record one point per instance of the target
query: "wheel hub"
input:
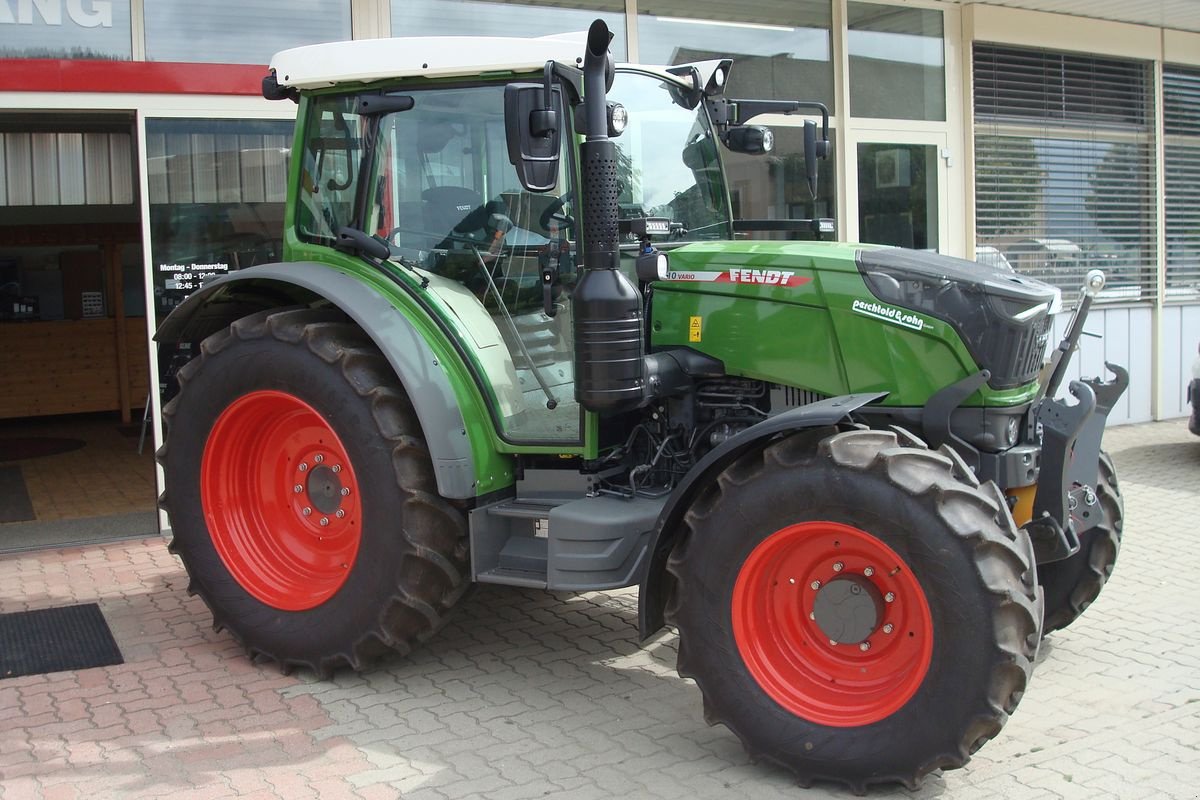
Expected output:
(848, 609)
(324, 489)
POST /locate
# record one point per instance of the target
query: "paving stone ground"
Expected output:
(535, 695)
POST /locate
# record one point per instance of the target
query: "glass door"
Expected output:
(901, 192)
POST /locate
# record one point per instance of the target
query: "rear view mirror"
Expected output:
(534, 134)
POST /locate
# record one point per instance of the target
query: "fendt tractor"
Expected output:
(519, 338)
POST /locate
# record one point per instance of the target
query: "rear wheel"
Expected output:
(855, 610)
(1073, 584)
(301, 494)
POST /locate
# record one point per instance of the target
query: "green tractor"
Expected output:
(517, 340)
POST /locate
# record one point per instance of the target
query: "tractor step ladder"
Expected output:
(547, 539)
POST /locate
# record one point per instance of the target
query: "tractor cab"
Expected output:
(433, 171)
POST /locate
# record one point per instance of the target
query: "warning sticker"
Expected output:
(694, 329)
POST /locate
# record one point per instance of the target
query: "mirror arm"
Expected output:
(548, 101)
(745, 110)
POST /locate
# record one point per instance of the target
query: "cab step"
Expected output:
(580, 544)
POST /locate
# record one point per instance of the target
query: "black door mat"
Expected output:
(17, 448)
(54, 640)
(15, 505)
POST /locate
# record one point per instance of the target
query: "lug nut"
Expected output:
(815, 584)
(838, 566)
(307, 512)
(889, 597)
(812, 615)
(340, 513)
(869, 571)
(303, 466)
(345, 491)
(337, 468)
(791, 580)
(318, 458)
(833, 643)
(865, 646)
(297, 488)
(324, 521)
(889, 628)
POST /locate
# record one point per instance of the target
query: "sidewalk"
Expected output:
(527, 694)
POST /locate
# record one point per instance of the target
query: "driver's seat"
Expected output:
(447, 210)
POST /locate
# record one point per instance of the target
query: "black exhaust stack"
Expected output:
(609, 369)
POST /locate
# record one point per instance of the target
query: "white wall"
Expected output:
(1125, 338)
(1180, 337)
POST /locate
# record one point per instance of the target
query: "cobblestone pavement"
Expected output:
(528, 694)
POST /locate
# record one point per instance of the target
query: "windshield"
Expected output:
(667, 161)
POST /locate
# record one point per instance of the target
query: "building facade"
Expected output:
(137, 157)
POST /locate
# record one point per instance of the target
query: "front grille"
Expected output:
(1014, 356)
(1035, 350)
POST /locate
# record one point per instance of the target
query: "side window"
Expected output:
(329, 170)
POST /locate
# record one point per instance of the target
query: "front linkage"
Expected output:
(1067, 503)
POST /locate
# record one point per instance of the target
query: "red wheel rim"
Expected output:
(794, 660)
(281, 500)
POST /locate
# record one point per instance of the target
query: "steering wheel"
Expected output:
(551, 213)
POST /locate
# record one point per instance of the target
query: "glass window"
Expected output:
(527, 18)
(78, 29)
(799, 67)
(240, 32)
(898, 195)
(1181, 116)
(775, 185)
(897, 62)
(795, 34)
(217, 191)
(329, 169)
(1064, 167)
(667, 160)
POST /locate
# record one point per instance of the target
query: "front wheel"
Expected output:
(855, 610)
(301, 494)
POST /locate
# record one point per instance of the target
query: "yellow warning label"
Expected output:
(694, 329)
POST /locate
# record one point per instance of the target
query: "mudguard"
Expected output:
(651, 600)
(414, 362)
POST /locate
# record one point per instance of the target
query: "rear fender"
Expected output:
(420, 370)
(652, 598)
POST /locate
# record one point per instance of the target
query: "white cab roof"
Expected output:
(318, 65)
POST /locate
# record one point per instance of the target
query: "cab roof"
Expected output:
(364, 60)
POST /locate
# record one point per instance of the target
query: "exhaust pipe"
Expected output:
(609, 335)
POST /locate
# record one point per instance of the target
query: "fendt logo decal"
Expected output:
(888, 314)
(766, 277)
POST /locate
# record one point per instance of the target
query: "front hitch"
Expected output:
(1066, 503)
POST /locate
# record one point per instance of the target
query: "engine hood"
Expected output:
(1003, 318)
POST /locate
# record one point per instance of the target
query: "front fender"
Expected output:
(651, 597)
(422, 373)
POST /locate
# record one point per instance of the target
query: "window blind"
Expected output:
(1181, 145)
(1064, 158)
